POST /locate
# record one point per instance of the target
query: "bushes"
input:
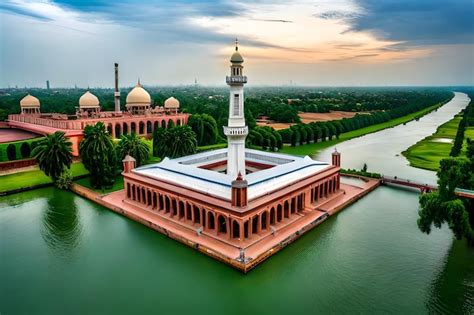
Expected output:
(25, 150)
(11, 152)
(265, 137)
(467, 117)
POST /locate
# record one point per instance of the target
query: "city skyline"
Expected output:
(322, 43)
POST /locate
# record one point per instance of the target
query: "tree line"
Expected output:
(466, 121)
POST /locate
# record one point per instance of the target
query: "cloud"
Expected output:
(9, 7)
(422, 22)
(335, 15)
(274, 20)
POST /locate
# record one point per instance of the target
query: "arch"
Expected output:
(141, 128)
(133, 127)
(167, 204)
(263, 219)
(174, 207)
(148, 127)
(181, 210)
(272, 216)
(143, 195)
(210, 220)
(189, 215)
(162, 201)
(178, 122)
(109, 129)
(221, 224)
(155, 200)
(163, 124)
(118, 130)
(133, 193)
(197, 214)
(235, 229)
(279, 213)
(128, 190)
(203, 217)
(148, 199)
(286, 209)
(255, 224)
(125, 128)
(156, 125)
(293, 205)
(246, 229)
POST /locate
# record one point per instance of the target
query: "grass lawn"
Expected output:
(313, 148)
(33, 178)
(118, 185)
(428, 152)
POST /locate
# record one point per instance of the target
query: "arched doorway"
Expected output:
(210, 221)
(109, 129)
(181, 210)
(163, 124)
(272, 216)
(221, 224)
(264, 220)
(133, 128)
(148, 127)
(125, 129)
(279, 213)
(197, 215)
(118, 132)
(235, 229)
(255, 224)
(156, 125)
(141, 125)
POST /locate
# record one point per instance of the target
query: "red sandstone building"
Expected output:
(236, 204)
(139, 117)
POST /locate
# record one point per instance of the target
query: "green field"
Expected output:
(428, 152)
(313, 148)
(33, 178)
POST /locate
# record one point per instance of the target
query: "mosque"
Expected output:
(236, 204)
(139, 116)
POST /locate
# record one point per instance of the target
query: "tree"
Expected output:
(175, 142)
(444, 206)
(65, 179)
(364, 168)
(133, 146)
(54, 154)
(205, 128)
(98, 155)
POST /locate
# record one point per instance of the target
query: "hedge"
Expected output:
(17, 150)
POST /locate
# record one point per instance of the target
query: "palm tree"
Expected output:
(134, 146)
(175, 142)
(98, 155)
(54, 154)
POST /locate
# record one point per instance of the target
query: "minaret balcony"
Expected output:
(236, 79)
(236, 131)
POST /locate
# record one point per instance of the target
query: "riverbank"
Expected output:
(428, 153)
(314, 148)
(32, 179)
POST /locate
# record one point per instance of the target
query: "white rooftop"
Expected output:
(186, 172)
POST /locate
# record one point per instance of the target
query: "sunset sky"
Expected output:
(328, 43)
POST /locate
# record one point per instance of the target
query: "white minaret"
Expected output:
(236, 131)
(117, 92)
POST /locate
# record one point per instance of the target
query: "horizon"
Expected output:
(347, 43)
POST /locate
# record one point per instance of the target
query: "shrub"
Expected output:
(11, 152)
(25, 150)
(65, 179)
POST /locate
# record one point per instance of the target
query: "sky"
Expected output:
(299, 42)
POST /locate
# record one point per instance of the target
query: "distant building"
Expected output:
(47, 84)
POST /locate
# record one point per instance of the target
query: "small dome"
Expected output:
(171, 103)
(138, 96)
(236, 57)
(29, 101)
(88, 100)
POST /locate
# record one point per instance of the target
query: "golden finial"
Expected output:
(236, 44)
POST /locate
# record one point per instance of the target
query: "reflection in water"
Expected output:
(61, 228)
(452, 291)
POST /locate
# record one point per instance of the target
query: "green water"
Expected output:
(63, 254)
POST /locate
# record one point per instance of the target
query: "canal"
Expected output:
(60, 253)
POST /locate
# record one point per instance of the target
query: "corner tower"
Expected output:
(236, 130)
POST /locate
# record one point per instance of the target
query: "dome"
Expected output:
(171, 103)
(138, 96)
(88, 100)
(236, 57)
(29, 101)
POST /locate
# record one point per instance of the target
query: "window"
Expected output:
(236, 111)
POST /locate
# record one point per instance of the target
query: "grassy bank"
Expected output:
(428, 152)
(313, 148)
(118, 185)
(34, 178)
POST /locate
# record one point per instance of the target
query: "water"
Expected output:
(60, 253)
(382, 150)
